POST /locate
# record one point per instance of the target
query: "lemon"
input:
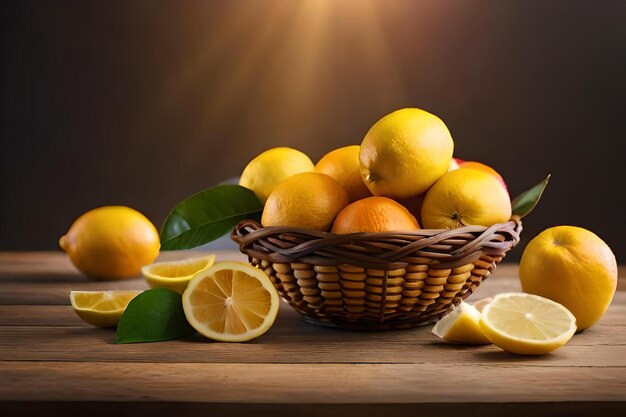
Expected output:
(343, 165)
(465, 197)
(231, 302)
(573, 267)
(309, 200)
(101, 308)
(461, 325)
(271, 167)
(111, 242)
(527, 324)
(404, 153)
(175, 275)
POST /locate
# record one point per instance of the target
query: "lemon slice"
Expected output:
(176, 275)
(527, 324)
(101, 308)
(231, 302)
(461, 325)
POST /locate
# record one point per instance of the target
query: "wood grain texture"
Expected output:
(56, 266)
(309, 383)
(49, 360)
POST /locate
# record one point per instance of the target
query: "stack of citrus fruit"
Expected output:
(402, 171)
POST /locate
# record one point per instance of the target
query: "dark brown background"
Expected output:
(145, 102)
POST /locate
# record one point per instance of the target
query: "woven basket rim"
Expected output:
(446, 248)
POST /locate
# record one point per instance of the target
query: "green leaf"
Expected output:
(152, 316)
(524, 203)
(208, 215)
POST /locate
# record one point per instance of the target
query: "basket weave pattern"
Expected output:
(373, 281)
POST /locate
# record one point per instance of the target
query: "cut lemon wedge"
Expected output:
(231, 302)
(101, 308)
(527, 324)
(176, 275)
(461, 325)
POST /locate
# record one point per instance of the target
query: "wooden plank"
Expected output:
(56, 266)
(58, 293)
(38, 315)
(291, 341)
(194, 409)
(307, 383)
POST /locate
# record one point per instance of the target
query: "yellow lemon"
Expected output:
(404, 153)
(461, 325)
(271, 167)
(573, 267)
(175, 275)
(309, 200)
(465, 197)
(343, 165)
(101, 308)
(527, 324)
(231, 302)
(111, 242)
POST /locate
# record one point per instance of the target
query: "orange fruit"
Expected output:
(573, 267)
(111, 242)
(309, 200)
(404, 153)
(465, 197)
(374, 214)
(482, 167)
(343, 165)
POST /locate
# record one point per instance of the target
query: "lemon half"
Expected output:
(231, 302)
(527, 324)
(175, 275)
(101, 308)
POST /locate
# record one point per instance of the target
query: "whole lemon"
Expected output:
(309, 200)
(343, 165)
(465, 197)
(574, 267)
(111, 242)
(374, 214)
(266, 170)
(404, 153)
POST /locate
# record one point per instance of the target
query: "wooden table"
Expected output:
(51, 363)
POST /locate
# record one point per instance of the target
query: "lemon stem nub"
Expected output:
(371, 177)
(458, 218)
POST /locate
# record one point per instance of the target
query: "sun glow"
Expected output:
(293, 48)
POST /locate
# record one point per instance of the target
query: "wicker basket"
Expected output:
(376, 281)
